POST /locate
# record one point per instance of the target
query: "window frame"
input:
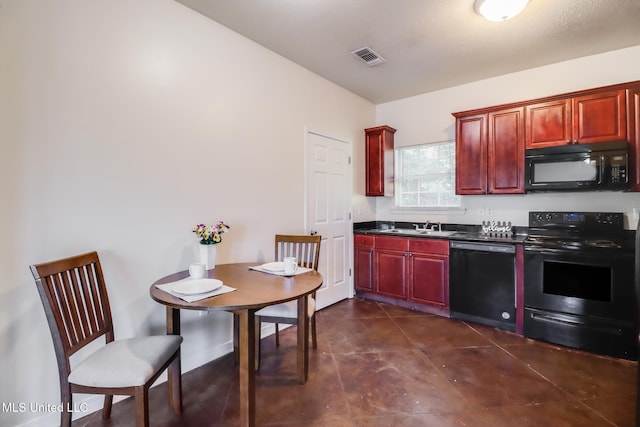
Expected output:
(400, 178)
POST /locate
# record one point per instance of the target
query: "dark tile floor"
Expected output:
(378, 365)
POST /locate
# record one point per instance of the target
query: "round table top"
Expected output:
(254, 289)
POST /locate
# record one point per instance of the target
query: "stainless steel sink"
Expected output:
(402, 231)
(438, 233)
(434, 233)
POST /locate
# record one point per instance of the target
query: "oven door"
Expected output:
(569, 171)
(595, 284)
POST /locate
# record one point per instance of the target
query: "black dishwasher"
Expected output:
(482, 283)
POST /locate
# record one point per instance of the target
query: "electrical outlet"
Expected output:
(489, 212)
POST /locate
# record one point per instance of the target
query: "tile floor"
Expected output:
(379, 365)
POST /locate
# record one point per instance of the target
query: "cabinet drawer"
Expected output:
(392, 243)
(430, 246)
(363, 241)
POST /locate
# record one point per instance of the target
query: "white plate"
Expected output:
(273, 266)
(196, 286)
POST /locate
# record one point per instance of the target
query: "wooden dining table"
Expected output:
(253, 291)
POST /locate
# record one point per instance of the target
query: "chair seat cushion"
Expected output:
(125, 363)
(287, 309)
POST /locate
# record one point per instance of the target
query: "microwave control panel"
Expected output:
(618, 169)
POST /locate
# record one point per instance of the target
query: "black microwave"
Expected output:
(578, 167)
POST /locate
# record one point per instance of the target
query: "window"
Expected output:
(426, 176)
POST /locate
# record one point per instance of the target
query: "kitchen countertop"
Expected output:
(453, 232)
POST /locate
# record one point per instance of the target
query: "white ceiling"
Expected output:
(428, 44)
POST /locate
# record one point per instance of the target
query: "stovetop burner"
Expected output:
(567, 242)
(576, 230)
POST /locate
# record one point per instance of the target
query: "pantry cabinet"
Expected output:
(585, 119)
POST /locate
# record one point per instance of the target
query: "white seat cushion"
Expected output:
(125, 363)
(287, 309)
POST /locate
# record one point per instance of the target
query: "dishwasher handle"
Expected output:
(483, 247)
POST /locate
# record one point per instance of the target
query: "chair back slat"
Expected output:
(75, 301)
(306, 249)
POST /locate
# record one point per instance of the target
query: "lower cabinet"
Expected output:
(412, 272)
(429, 272)
(363, 262)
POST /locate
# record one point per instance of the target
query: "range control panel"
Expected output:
(577, 220)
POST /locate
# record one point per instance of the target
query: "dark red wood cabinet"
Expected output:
(585, 119)
(379, 159)
(390, 266)
(506, 151)
(490, 152)
(363, 262)
(413, 272)
(471, 154)
(429, 272)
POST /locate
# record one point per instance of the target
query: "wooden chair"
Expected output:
(306, 249)
(76, 304)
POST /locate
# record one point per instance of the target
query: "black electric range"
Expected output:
(579, 282)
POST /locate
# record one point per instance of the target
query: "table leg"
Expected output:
(174, 370)
(247, 367)
(303, 341)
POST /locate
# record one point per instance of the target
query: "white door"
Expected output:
(328, 212)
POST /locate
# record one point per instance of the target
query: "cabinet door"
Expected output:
(600, 117)
(379, 161)
(548, 124)
(429, 282)
(391, 273)
(363, 266)
(505, 143)
(634, 137)
(471, 155)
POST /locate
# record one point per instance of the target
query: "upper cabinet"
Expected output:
(491, 142)
(379, 161)
(589, 118)
(471, 154)
(490, 152)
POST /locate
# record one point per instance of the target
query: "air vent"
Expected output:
(368, 56)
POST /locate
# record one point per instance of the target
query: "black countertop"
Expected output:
(459, 232)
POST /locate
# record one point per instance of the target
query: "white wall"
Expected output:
(122, 125)
(427, 118)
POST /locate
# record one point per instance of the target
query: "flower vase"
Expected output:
(208, 256)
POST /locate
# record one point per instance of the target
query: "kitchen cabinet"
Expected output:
(363, 262)
(429, 272)
(588, 118)
(634, 137)
(390, 266)
(471, 158)
(413, 272)
(490, 152)
(379, 161)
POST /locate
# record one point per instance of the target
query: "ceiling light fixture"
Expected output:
(499, 10)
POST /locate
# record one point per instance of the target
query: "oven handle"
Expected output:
(550, 251)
